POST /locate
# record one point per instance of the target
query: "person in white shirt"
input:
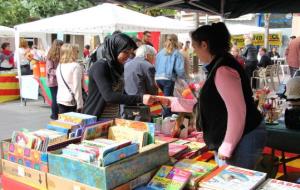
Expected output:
(69, 77)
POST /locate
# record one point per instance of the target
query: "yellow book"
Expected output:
(122, 133)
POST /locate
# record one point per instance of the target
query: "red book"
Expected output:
(177, 149)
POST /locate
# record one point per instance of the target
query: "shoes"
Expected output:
(54, 117)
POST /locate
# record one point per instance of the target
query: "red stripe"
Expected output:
(8, 79)
(9, 92)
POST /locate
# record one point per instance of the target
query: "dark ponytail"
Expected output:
(216, 36)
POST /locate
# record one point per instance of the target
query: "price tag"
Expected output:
(21, 171)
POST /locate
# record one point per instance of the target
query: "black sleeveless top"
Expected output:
(212, 111)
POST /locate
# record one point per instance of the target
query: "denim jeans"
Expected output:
(249, 149)
(167, 86)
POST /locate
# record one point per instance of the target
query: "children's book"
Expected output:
(106, 146)
(122, 133)
(78, 118)
(140, 126)
(233, 178)
(54, 136)
(24, 139)
(169, 178)
(176, 150)
(181, 142)
(196, 146)
(274, 184)
(198, 169)
(97, 130)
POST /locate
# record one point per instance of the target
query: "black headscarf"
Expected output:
(113, 46)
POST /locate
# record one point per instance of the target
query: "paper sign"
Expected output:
(60, 36)
(21, 171)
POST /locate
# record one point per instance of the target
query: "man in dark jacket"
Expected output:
(250, 55)
(265, 59)
(139, 73)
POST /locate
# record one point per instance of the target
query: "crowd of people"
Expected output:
(126, 71)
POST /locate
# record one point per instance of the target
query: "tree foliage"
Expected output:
(19, 11)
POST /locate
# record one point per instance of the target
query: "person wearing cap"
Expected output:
(292, 54)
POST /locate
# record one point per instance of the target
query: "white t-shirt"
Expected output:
(72, 73)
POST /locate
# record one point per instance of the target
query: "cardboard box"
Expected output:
(59, 183)
(10, 184)
(111, 176)
(28, 176)
(137, 182)
(29, 157)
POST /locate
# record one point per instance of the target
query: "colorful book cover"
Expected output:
(176, 149)
(274, 184)
(64, 124)
(106, 146)
(121, 133)
(198, 169)
(78, 118)
(24, 139)
(169, 178)
(58, 129)
(196, 146)
(138, 125)
(233, 178)
(96, 130)
(54, 137)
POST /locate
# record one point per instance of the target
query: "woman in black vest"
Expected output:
(231, 123)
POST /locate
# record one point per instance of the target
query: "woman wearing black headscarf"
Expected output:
(106, 81)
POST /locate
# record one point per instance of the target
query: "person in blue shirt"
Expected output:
(169, 66)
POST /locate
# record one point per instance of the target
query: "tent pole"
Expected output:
(222, 10)
(206, 19)
(167, 4)
(17, 45)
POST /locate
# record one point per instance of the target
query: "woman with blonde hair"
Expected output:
(69, 77)
(25, 57)
(51, 65)
(169, 66)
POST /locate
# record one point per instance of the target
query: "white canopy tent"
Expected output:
(97, 20)
(6, 32)
(236, 29)
(100, 19)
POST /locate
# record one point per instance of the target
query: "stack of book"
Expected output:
(274, 184)
(169, 178)
(181, 149)
(232, 178)
(71, 129)
(198, 169)
(78, 118)
(95, 151)
(38, 140)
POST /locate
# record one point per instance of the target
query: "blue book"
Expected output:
(58, 129)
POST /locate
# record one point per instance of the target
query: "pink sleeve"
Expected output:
(228, 83)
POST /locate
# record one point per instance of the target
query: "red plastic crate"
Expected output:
(10, 184)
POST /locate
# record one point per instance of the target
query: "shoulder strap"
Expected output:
(70, 90)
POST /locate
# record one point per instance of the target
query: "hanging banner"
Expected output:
(274, 39)
(258, 39)
(238, 40)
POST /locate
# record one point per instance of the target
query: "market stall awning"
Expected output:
(100, 19)
(6, 32)
(226, 8)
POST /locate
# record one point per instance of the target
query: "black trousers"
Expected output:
(54, 106)
(65, 109)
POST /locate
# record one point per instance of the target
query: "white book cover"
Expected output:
(274, 184)
(234, 178)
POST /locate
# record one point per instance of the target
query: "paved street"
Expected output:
(14, 116)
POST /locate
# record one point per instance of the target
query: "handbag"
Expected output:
(137, 113)
(73, 101)
(292, 118)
